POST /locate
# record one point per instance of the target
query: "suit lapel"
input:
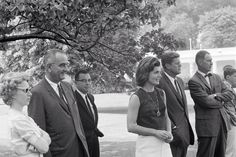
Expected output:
(83, 104)
(183, 96)
(203, 80)
(213, 82)
(94, 108)
(173, 89)
(52, 92)
(70, 101)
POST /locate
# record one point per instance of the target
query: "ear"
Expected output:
(48, 67)
(199, 62)
(227, 77)
(167, 66)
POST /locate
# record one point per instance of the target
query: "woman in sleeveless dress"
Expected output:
(147, 112)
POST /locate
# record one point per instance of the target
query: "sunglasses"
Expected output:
(24, 90)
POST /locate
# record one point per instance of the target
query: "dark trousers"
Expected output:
(93, 145)
(178, 151)
(213, 146)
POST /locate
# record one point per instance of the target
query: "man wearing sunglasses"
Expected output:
(88, 111)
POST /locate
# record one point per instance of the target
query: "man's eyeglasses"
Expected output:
(85, 80)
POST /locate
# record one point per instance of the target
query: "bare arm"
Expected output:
(132, 125)
(168, 122)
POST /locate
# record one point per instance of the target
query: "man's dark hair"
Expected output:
(81, 71)
(167, 58)
(200, 56)
(229, 72)
(145, 66)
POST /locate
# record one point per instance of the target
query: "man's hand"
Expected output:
(224, 97)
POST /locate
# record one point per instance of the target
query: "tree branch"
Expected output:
(29, 36)
(119, 52)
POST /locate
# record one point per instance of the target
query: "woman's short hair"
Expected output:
(145, 66)
(9, 84)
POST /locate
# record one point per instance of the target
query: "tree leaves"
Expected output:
(217, 28)
(99, 34)
(157, 42)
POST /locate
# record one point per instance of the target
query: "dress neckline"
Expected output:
(148, 91)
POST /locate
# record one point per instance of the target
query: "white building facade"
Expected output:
(220, 58)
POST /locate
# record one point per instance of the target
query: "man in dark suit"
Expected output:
(88, 111)
(176, 104)
(54, 109)
(209, 93)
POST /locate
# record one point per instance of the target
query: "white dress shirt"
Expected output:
(53, 85)
(172, 80)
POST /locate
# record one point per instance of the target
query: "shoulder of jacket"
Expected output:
(66, 83)
(194, 77)
(91, 96)
(38, 87)
(216, 75)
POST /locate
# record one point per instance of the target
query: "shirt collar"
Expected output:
(82, 94)
(171, 78)
(53, 84)
(202, 73)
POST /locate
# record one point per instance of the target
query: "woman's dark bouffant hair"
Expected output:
(145, 66)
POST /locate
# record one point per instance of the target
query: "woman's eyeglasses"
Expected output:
(24, 90)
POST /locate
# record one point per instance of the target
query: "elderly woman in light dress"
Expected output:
(26, 138)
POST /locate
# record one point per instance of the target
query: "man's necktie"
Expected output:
(208, 75)
(88, 106)
(177, 88)
(61, 93)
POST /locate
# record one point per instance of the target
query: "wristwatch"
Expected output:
(214, 95)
